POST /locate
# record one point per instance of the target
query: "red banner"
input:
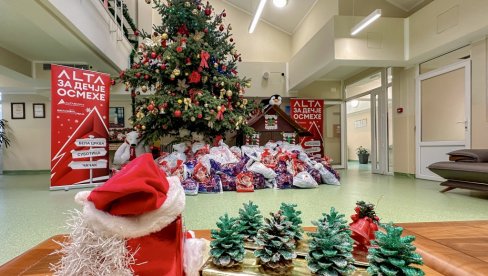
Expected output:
(310, 115)
(79, 127)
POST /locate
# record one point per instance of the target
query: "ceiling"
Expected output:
(294, 12)
(406, 5)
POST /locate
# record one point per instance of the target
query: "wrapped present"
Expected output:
(214, 185)
(201, 173)
(190, 186)
(268, 159)
(284, 180)
(245, 182)
(228, 182)
(304, 180)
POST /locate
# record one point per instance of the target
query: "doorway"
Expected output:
(369, 121)
(443, 118)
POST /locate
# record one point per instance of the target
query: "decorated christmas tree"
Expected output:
(227, 248)
(187, 68)
(250, 220)
(293, 215)
(394, 254)
(277, 244)
(330, 247)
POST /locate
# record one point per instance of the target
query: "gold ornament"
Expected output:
(192, 119)
(143, 127)
(176, 72)
(164, 36)
(144, 88)
(139, 115)
(204, 79)
(180, 101)
(229, 93)
(172, 76)
(194, 11)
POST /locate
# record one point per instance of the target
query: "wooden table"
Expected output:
(448, 248)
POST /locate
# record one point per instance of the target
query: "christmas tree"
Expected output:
(293, 216)
(278, 245)
(250, 220)
(189, 65)
(227, 248)
(330, 247)
(394, 254)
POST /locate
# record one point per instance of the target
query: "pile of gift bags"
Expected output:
(277, 165)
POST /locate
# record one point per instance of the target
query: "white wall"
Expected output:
(321, 13)
(30, 138)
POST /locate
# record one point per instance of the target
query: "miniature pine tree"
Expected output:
(278, 246)
(227, 248)
(330, 247)
(189, 63)
(394, 254)
(293, 216)
(250, 220)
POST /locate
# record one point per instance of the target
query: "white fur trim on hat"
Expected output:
(136, 226)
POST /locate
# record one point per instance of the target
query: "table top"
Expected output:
(448, 248)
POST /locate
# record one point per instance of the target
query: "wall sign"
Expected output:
(310, 115)
(79, 127)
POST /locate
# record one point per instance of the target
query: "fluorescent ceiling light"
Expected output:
(257, 15)
(366, 21)
(280, 3)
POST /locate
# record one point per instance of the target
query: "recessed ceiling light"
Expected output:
(280, 3)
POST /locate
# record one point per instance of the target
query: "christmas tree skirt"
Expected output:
(250, 267)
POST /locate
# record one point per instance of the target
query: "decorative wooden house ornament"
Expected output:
(273, 124)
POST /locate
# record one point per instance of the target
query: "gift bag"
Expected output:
(245, 182)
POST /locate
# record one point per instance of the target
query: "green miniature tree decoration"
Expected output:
(394, 254)
(250, 220)
(227, 248)
(189, 64)
(330, 247)
(277, 244)
(293, 216)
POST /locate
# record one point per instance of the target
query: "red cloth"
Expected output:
(160, 253)
(139, 188)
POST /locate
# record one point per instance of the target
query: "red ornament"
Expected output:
(199, 116)
(136, 32)
(146, 77)
(188, 61)
(205, 30)
(179, 49)
(224, 14)
(121, 74)
(221, 28)
(200, 69)
(138, 66)
(138, 75)
(113, 82)
(357, 209)
(177, 113)
(163, 43)
(231, 39)
(208, 11)
(153, 55)
(194, 77)
(150, 107)
(165, 126)
(163, 66)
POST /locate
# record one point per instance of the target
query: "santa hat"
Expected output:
(143, 206)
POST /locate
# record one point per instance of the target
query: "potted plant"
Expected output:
(4, 140)
(363, 155)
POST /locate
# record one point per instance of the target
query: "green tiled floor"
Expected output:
(30, 213)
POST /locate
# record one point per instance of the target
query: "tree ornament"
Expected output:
(164, 36)
(229, 93)
(393, 254)
(330, 247)
(208, 11)
(136, 33)
(177, 113)
(364, 225)
(250, 221)
(176, 72)
(180, 101)
(199, 116)
(144, 88)
(146, 77)
(293, 216)
(231, 39)
(227, 247)
(138, 75)
(150, 107)
(154, 55)
(221, 27)
(277, 244)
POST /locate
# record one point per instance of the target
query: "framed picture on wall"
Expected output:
(39, 110)
(116, 117)
(17, 110)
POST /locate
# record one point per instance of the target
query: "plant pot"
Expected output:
(363, 158)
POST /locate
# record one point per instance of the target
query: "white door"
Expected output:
(443, 108)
